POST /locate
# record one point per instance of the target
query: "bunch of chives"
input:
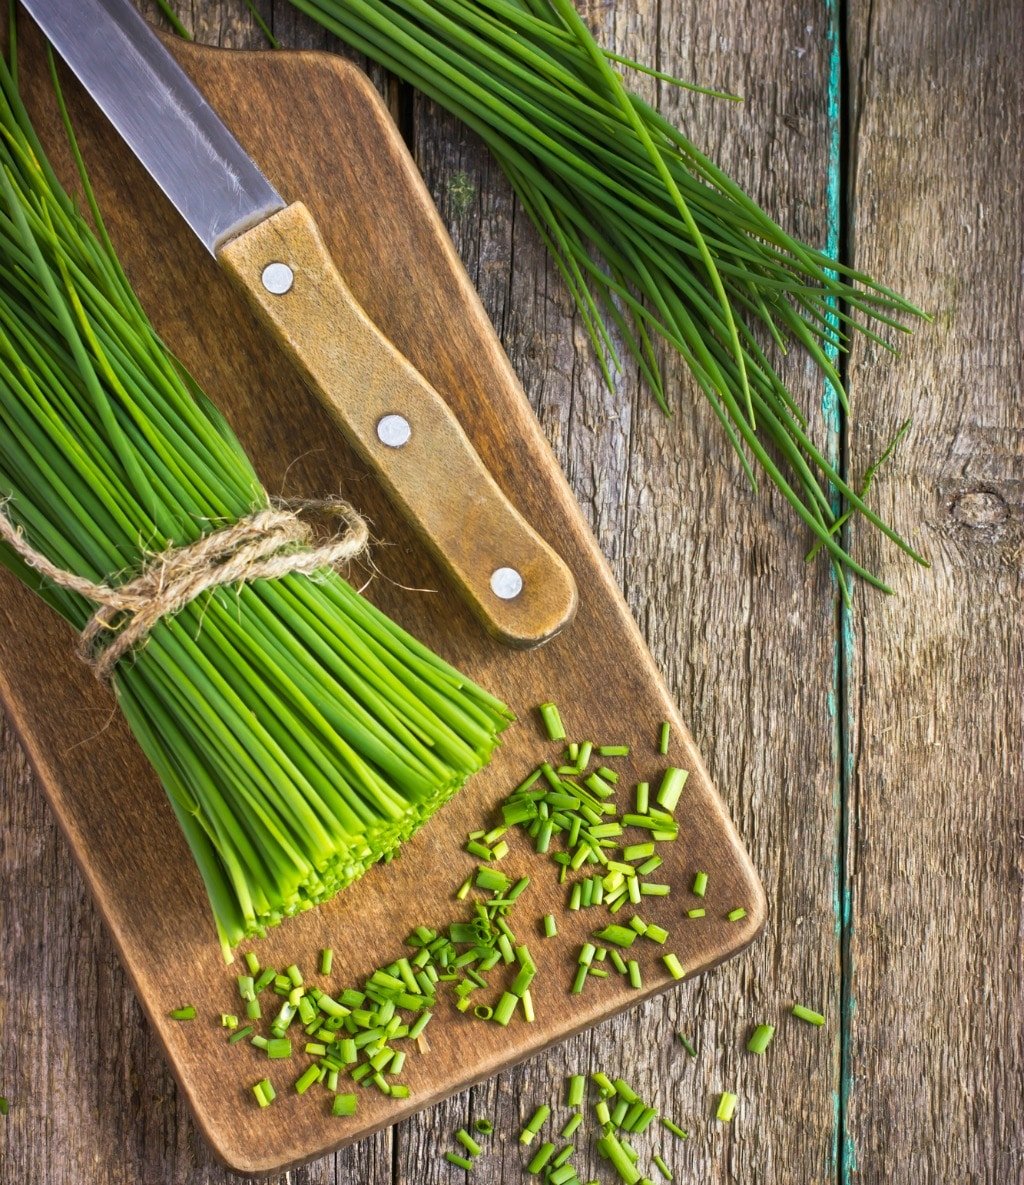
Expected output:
(652, 239)
(299, 733)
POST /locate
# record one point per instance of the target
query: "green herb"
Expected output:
(344, 1104)
(761, 1038)
(552, 722)
(663, 737)
(540, 1159)
(696, 913)
(550, 928)
(736, 915)
(674, 1128)
(539, 1118)
(808, 1014)
(460, 1161)
(484, 1126)
(700, 884)
(687, 1044)
(726, 1106)
(663, 1168)
(675, 968)
(186, 1013)
(5, 1106)
(301, 736)
(467, 1141)
(652, 239)
(572, 1123)
(264, 1092)
(577, 1090)
(672, 784)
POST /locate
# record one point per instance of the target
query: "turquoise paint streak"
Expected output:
(844, 1150)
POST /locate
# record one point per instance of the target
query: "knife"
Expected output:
(520, 589)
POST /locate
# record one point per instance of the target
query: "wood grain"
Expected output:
(382, 231)
(936, 838)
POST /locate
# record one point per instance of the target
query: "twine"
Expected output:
(264, 545)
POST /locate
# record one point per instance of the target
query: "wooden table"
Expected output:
(871, 757)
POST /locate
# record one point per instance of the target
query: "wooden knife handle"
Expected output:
(435, 474)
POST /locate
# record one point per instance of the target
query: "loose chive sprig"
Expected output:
(651, 237)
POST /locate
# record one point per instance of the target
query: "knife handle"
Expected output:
(520, 589)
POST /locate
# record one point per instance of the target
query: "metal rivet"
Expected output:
(506, 583)
(278, 278)
(393, 430)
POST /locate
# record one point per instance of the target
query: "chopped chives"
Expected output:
(539, 1118)
(700, 884)
(579, 981)
(572, 1123)
(252, 962)
(613, 750)
(188, 1012)
(662, 1167)
(239, 1035)
(623, 936)
(652, 889)
(279, 1047)
(228, 1020)
(505, 1008)
(687, 1044)
(467, 1141)
(735, 915)
(643, 797)
(483, 1012)
(326, 960)
(634, 973)
(264, 1092)
(726, 1106)
(540, 1159)
(674, 1128)
(550, 928)
(808, 1014)
(675, 968)
(306, 1079)
(5, 1106)
(671, 788)
(663, 736)
(460, 1161)
(344, 1104)
(577, 1090)
(563, 1175)
(656, 933)
(761, 1038)
(696, 913)
(484, 1126)
(552, 722)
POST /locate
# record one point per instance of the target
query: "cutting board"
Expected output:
(321, 133)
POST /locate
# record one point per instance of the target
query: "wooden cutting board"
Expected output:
(319, 130)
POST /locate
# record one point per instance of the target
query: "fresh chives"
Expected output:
(671, 788)
(696, 913)
(700, 884)
(674, 1128)
(687, 1044)
(300, 735)
(726, 1106)
(675, 968)
(344, 1104)
(663, 737)
(186, 1013)
(662, 1167)
(5, 1106)
(550, 928)
(326, 960)
(467, 1141)
(484, 1127)
(552, 722)
(808, 1014)
(540, 1159)
(461, 1162)
(264, 1092)
(761, 1038)
(537, 1121)
(577, 1090)
(735, 915)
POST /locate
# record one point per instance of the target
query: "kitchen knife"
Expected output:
(517, 585)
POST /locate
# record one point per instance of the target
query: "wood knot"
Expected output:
(979, 508)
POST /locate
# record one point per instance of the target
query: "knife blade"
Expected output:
(521, 590)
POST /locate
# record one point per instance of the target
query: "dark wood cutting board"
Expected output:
(321, 133)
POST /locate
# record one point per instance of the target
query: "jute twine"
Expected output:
(264, 545)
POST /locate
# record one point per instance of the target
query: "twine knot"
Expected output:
(265, 545)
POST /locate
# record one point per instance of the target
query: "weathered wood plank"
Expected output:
(936, 1061)
(744, 632)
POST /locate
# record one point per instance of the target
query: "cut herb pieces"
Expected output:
(539, 1118)
(186, 1013)
(726, 1106)
(808, 1014)
(264, 1092)
(761, 1038)
(344, 1104)
(552, 722)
